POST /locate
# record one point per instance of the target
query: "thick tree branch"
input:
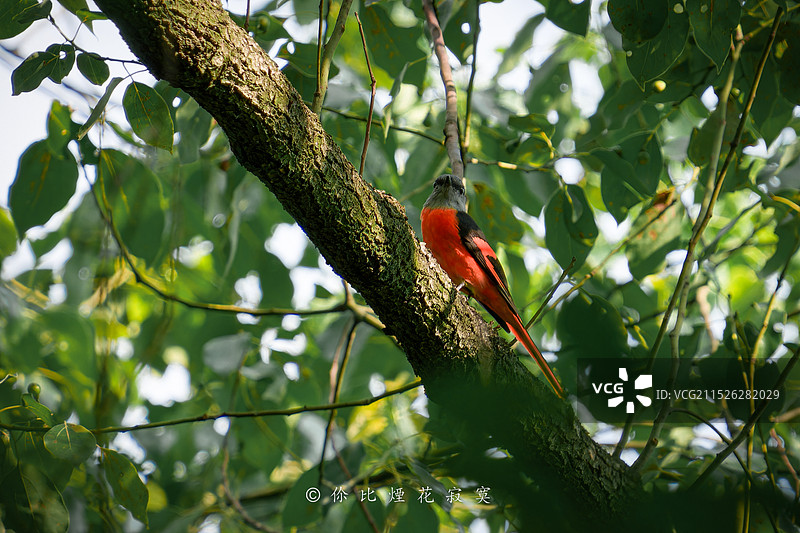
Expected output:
(365, 236)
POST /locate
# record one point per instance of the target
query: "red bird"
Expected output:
(460, 246)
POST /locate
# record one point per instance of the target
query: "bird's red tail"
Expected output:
(522, 336)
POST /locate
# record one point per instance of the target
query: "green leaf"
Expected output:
(638, 20)
(570, 230)
(534, 151)
(34, 13)
(298, 511)
(80, 9)
(647, 252)
(615, 184)
(519, 46)
(70, 442)
(224, 354)
(11, 11)
(258, 437)
(44, 183)
(702, 142)
(391, 46)
(643, 152)
(148, 115)
(8, 239)
(789, 64)
(266, 29)
(93, 68)
(788, 235)
(94, 116)
(745, 289)
(135, 198)
(771, 111)
(457, 41)
(41, 411)
(63, 61)
(129, 491)
(194, 124)
(712, 23)
(87, 16)
(59, 127)
(418, 517)
(73, 6)
(54, 63)
(356, 521)
(593, 326)
(650, 59)
(569, 15)
(304, 59)
(533, 123)
(494, 215)
(620, 104)
(388, 115)
(43, 502)
(73, 338)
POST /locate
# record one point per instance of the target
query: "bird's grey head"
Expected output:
(448, 193)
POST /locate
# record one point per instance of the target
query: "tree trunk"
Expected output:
(365, 236)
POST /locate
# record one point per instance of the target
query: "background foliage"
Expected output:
(174, 242)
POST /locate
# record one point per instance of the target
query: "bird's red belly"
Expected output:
(440, 233)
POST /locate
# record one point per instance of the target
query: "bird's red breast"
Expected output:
(440, 233)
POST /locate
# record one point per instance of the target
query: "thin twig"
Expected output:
(711, 426)
(336, 374)
(550, 294)
(661, 417)
(476, 30)
(320, 22)
(451, 133)
(770, 308)
(782, 452)
(232, 414)
(371, 98)
(709, 249)
(361, 502)
(80, 49)
(608, 257)
(709, 201)
(726, 440)
(234, 502)
(721, 456)
(226, 486)
(511, 166)
(325, 56)
(711, 198)
(141, 278)
(391, 127)
(362, 312)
